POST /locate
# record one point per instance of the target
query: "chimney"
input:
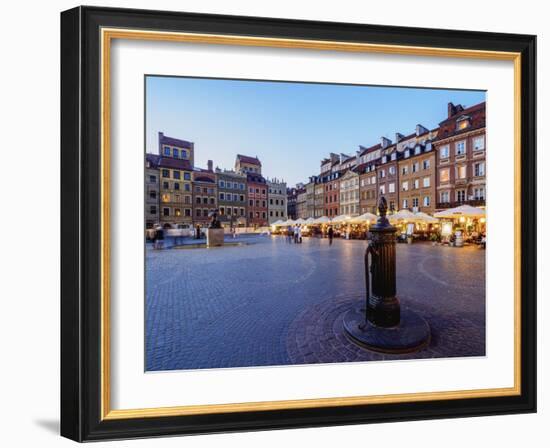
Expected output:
(210, 165)
(420, 130)
(450, 110)
(398, 137)
(161, 136)
(385, 142)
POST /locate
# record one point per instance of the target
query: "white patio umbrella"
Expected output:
(462, 211)
(322, 220)
(401, 215)
(365, 217)
(341, 218)
(424, 217)
(280, 222)
(300, 221)
(310, 220)
(289, 222)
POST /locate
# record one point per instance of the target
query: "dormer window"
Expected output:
(384, 159)
(417, 150)
(394, 156)
(462, 123)
(407, 153)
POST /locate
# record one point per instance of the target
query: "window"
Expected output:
(479, 193)
(250, 202)
(407, 154)
(444, 196)
(235, 211)
(405, 170)
(426, 182)
(426, 164)
(415, 202)
(198, 212)
(263, 215)
(263, 191)
(416, 167)
(165, 173)
(205, 200)
(153, 194)
(166, 211)
(391, 170)
(417, 150)
(229, 197)
(241, 198)
(460, 148)
(426, 201)
(382, 189)
(222, 196)
(384, 159)
(222, 184)
(444, 175)
(212, 201)
(405, 203)
(177, 212)
(229, 211)
(188, 199)
(391, 187)
(479, 169)
(187, 212)
(405, 186)
(153, 209)
(187, 187)
(479, 143)
(175, 152)
(165, 185)
(198, 200)
(165, 198)
(183, 154)
(444, 152)
(382, 174)
(394, 156)
(461, 172)
(416, 184)
(152, 178)
(463, 124)
(460, 195)
(167, 150)
(176, 186)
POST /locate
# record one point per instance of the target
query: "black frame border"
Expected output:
(81, 223)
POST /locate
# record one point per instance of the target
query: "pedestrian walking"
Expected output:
(159, 238)
(289, 234)
(330, 235)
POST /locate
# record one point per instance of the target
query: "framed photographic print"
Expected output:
(274, 223)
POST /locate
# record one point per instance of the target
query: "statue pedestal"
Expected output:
(214, 237)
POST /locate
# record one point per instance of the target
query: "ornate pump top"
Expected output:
(382, 209)
(214, 221)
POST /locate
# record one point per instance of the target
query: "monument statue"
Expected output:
(214, 221)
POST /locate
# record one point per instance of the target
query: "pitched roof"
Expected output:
(164, 140)
(248, 159)
(153, 159)
(369, 149)
(177, 164)
(476, 113)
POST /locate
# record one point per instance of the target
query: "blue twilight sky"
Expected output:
(289, 126)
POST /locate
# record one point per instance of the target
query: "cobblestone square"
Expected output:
(268, 302)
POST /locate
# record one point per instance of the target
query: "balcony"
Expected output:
(472, 202)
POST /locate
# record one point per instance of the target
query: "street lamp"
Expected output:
(380, 324)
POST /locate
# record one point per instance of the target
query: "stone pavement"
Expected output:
(268, 302)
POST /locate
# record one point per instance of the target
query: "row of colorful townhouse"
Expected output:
(180, 194)
(426, 171)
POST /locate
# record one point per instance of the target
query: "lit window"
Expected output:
(444, 175)
(461, 172)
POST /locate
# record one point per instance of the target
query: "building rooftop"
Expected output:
(165, 140)
(248, 159)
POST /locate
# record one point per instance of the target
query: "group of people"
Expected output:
(294, 233)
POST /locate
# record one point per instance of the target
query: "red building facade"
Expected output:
(257, 200)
